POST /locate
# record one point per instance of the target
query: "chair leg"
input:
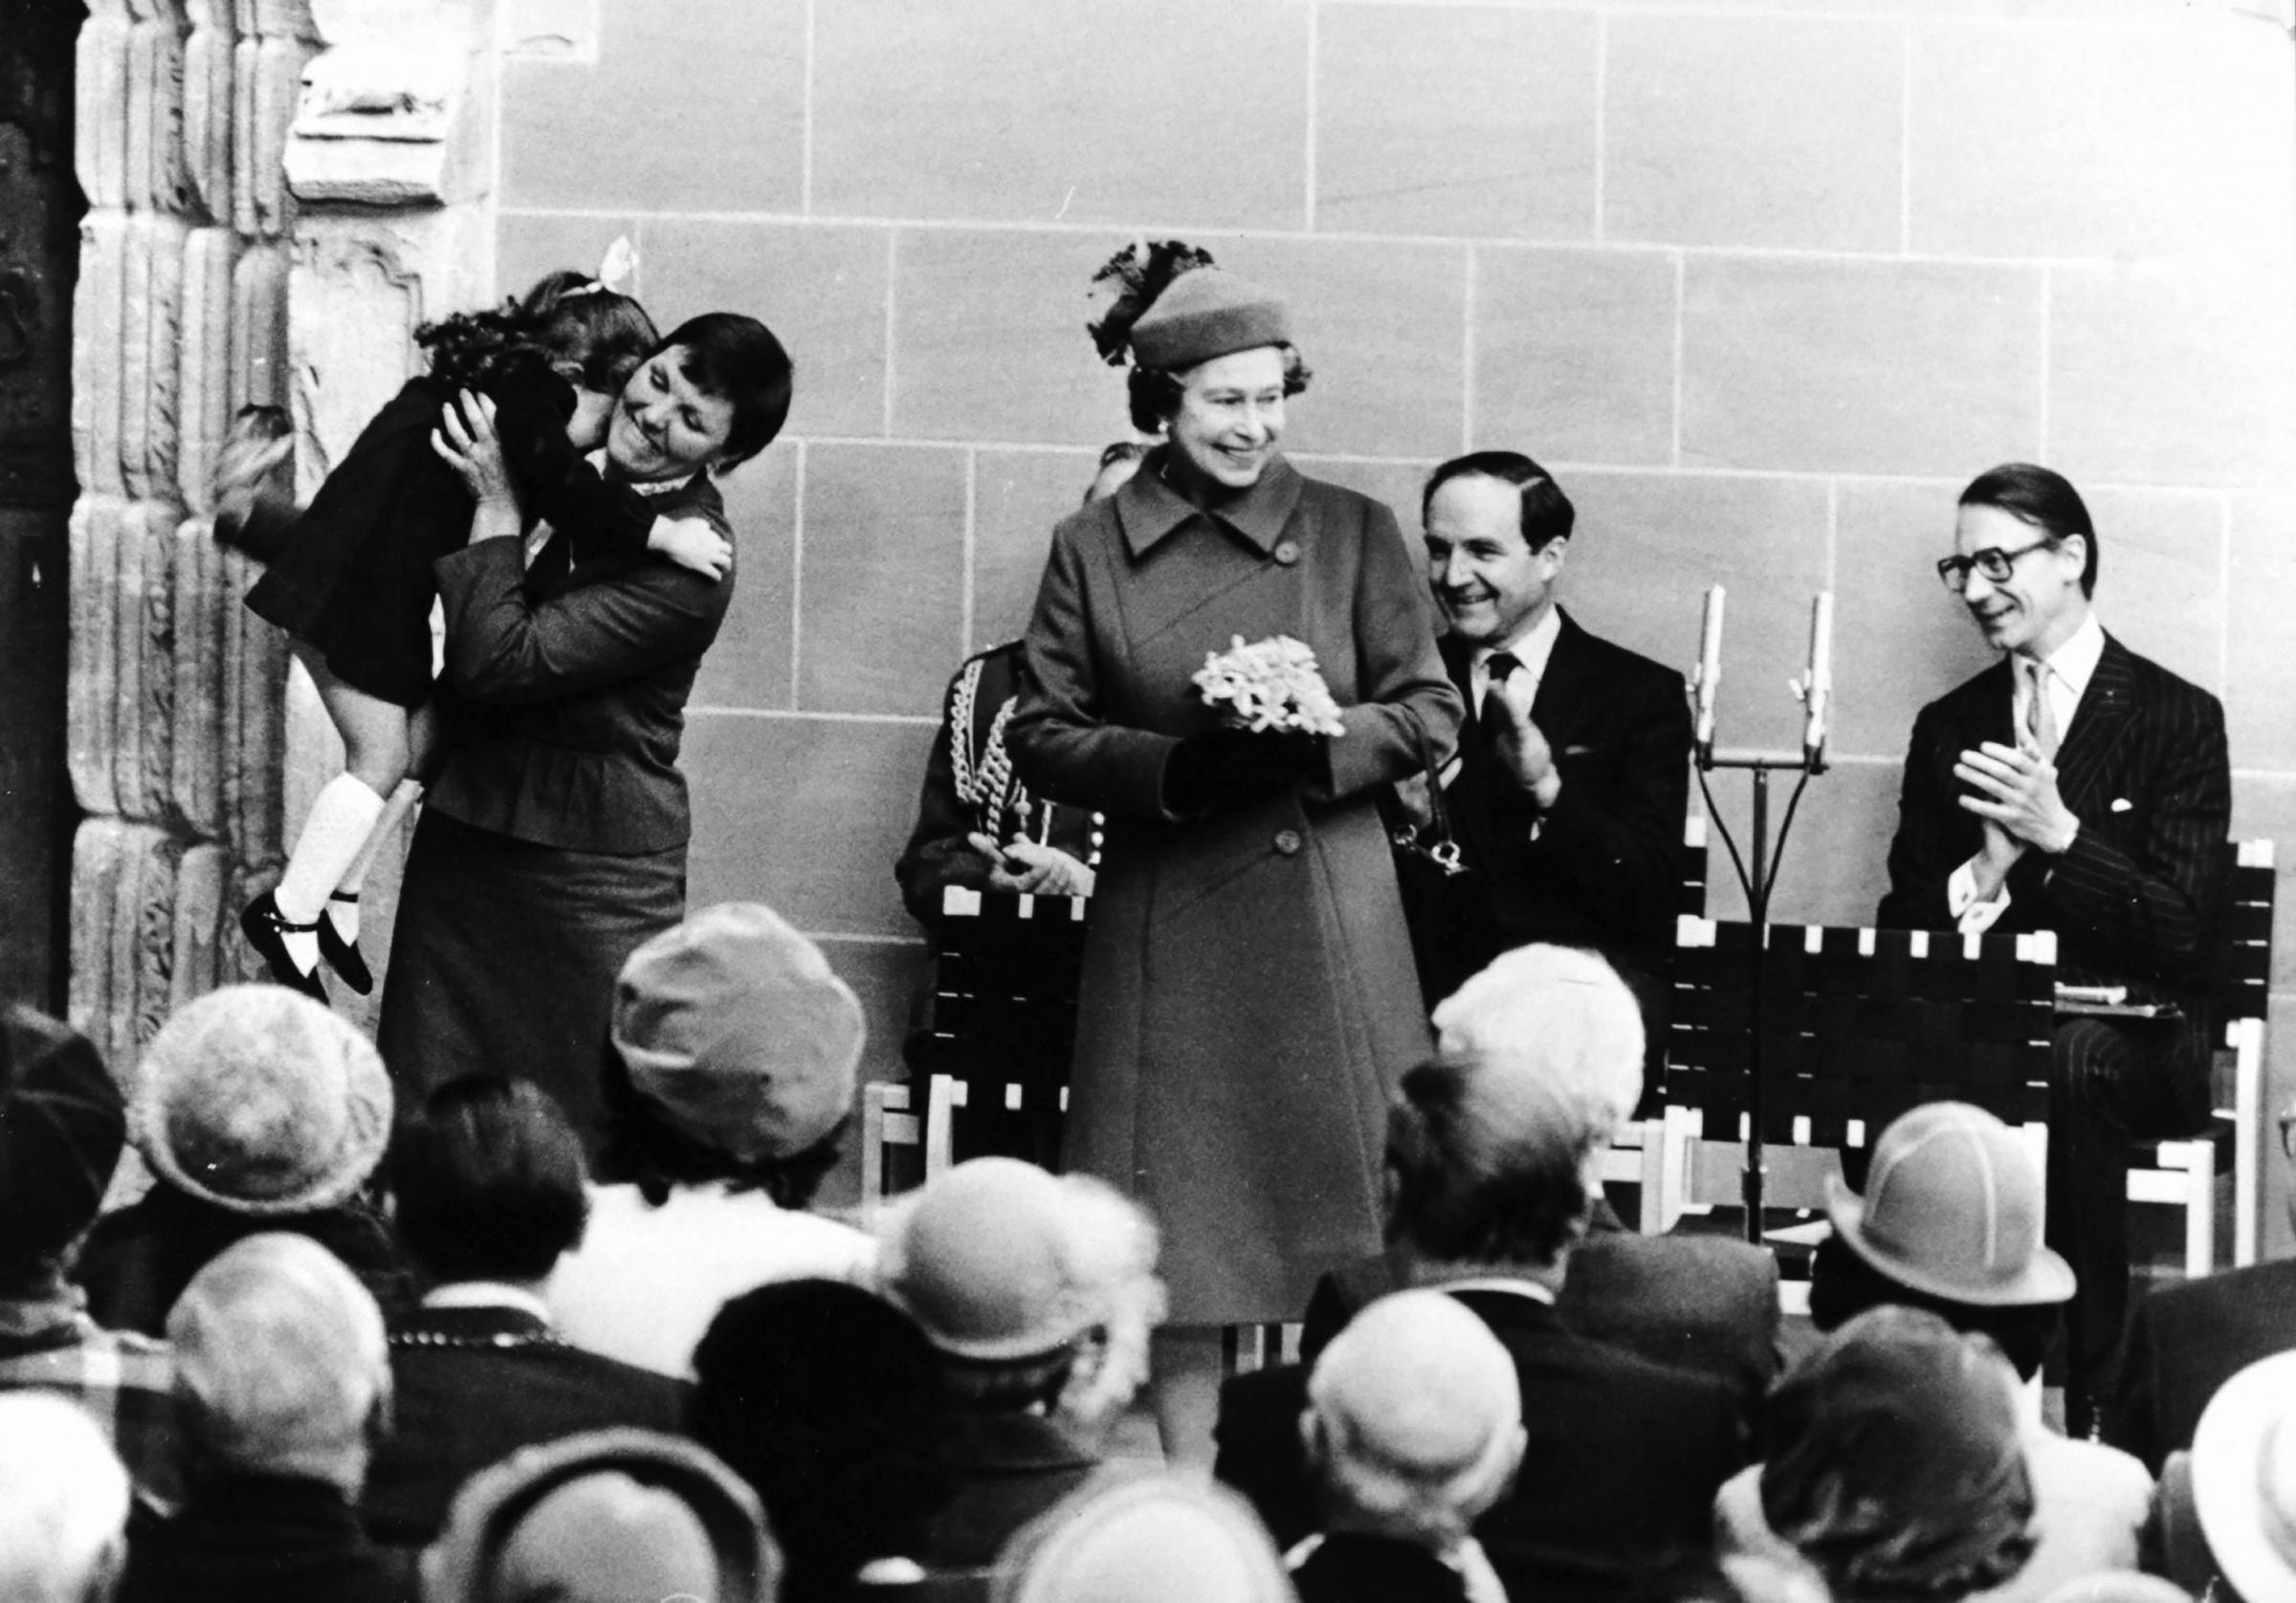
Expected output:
(2201, 1209)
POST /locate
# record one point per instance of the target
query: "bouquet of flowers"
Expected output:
(1269, 684)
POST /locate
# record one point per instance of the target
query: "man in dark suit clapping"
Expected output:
(1489, 1198)
(2077, 787)
(1573, 773)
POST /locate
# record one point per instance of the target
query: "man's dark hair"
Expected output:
(1844, 1285)
(1475, 1182)
(738, 359)
(1548, 514)
(489, 1181)
(828, 1401)
(643, 1150)
(2045, 499)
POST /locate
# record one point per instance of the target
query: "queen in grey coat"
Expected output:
(1249, 997)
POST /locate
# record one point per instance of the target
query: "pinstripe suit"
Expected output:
(2133, 901)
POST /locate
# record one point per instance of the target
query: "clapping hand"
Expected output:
(1522, 746)
(2017, 794)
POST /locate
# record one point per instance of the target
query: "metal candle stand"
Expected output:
(1814, 693)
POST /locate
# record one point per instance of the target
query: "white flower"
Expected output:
(1269, 684)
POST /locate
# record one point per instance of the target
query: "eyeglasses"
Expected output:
(1995, 563)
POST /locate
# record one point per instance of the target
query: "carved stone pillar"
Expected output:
(277, 191)
(171, 710)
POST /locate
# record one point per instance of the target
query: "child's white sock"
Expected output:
(343, 914)
(333, 836)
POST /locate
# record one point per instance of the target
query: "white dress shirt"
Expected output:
(1532, 648)
(2067, 672)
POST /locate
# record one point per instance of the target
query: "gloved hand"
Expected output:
(1228, 767)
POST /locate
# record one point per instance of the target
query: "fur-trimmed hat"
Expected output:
(1204, 313)
(260, 1100)
(62, 1127)
(736, 1033)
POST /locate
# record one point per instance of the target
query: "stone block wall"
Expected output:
(181, 319)
(1763, 283)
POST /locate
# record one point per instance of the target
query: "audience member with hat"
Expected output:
(62, 1127)
(729, 1082)
(64, 1502)
(1039, 1294)
(2187, 1338)
(2227, 1507)
(1143, 1539)
(616, 1516)
(488, 1193)
(828, 1401)
(1950, 1223)
(256, 1109)
(1894, 1465)
(1248, 992)
(285, 1380)
(1488, 1200)
(1414, 1428)
(1562, 1018)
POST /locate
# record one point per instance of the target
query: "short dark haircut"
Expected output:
(2046, 500)
(644, 1151)
(828, 1401)
(1843, 1285)
(1466, 1189)
(1153, 393)
(1548, 514)
(737, 358)
(489, 1181)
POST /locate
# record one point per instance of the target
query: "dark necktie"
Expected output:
(1495, 719)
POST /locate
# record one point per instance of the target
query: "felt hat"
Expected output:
(1207, 313)
(1126, 1538)
(262, 1101)
(1895, 1462)
(600, 1518)
(281, 1352)
(1952, 1208)
(62, 1123)
(982, 1261)
(2244, 1477)
(1417, 1398)
(736, 1033)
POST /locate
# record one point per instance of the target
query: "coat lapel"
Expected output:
(2098, 724)
(1563, 691)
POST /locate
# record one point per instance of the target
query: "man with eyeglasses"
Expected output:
(2186, 1340)
(2078, 787)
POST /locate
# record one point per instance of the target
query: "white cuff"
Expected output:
(1973, 917)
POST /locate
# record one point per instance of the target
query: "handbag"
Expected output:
(1444, 905)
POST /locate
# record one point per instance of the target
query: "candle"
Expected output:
(1820, 687)
(1710, 663)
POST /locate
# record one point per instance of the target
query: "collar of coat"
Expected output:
(1149, 509)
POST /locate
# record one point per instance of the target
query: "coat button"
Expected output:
(1287, 842)
(1287, 551)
